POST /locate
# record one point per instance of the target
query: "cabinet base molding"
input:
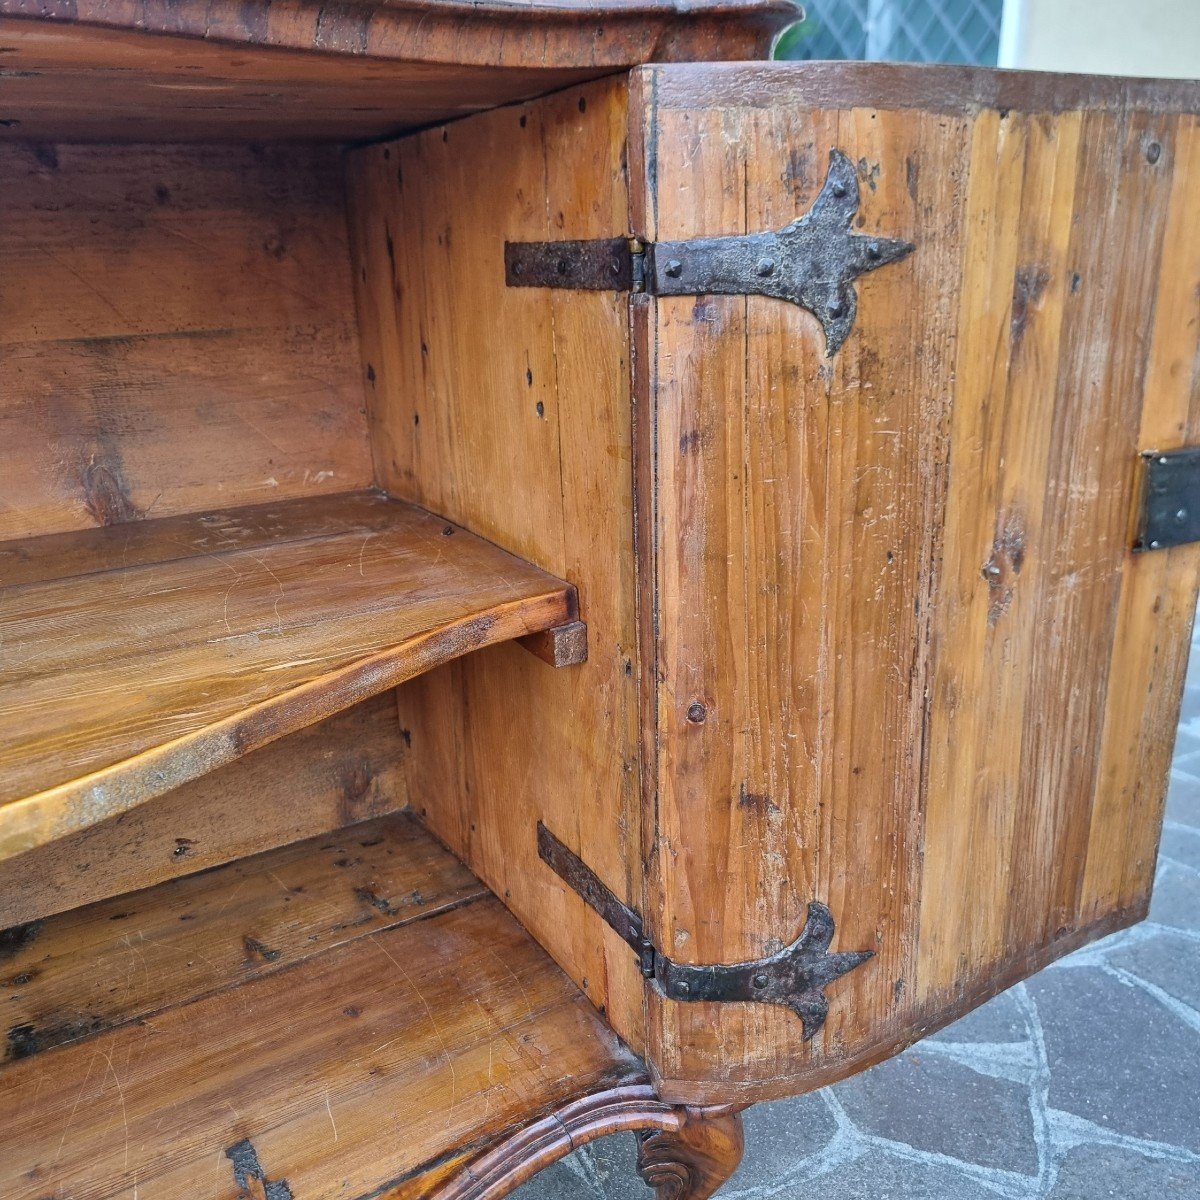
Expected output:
(683, 1153)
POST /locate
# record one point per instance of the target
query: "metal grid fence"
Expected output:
(955, 31)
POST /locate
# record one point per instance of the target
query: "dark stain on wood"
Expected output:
(18, 938)
(369, 896)
(1028, 288)
(1004, 566)
(106, 492)
(356, 781)
(912, 176)
(757, 801)
(247, 1169)
(27, 1039)
(256, 949)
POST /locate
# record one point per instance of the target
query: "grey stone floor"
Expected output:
(1082, 1083)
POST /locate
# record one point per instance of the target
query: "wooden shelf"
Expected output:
(141, 656)
(353, 1016)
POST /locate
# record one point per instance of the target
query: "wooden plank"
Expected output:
(245, 920)
(290, 1028)
(157, 298)
(786, 733)
(252, 528)
(509, 410)
(122, 684)
(530, 37)
(269, 71)
(83, 83)
(905, 662)
(339, 772)
(1157, 590)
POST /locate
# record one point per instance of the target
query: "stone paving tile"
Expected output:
(1181, 844)
(1183, 802)
(1146, 1083)
(1165, 959)
(882, 1176)
(782, 1133)
(1081, 1084)
(1176, 898)
(943, 1100)
(1097, 1172)
(999, 1020)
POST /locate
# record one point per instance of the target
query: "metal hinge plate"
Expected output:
(812, 262)
(1170, 513)
(795, 977)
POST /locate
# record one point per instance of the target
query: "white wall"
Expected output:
(1108, 37)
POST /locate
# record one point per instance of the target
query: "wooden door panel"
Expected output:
(904, 661)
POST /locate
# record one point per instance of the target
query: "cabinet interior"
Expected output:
(237, 513)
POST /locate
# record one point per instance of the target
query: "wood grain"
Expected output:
(119, 685)
(693, 1161)
(82, 83)
(541, 35)
(509, 411)
(338, 772)
(164, 344)
(243, 921)
(260, 1040)
(905, 662)
(118, 71)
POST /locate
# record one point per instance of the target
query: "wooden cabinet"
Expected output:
(781, 677)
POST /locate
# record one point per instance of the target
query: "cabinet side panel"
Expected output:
(909, 666)
(508, 410)
(1158, 591)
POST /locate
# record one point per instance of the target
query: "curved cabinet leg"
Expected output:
(691, 1162)
(685, 1153)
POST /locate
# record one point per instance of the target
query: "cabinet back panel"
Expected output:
(177, 332)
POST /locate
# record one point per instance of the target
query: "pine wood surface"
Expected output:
(509, 410)
(539, 35)
(180, 70)
(341, 771)
(338, 1017)
(228, 630)
(177, 333)
(909, 664)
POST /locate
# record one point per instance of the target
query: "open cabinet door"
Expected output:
(900, 657)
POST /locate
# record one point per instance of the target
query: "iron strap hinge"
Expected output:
(795, 977)
(812, 262)
(1170, 502)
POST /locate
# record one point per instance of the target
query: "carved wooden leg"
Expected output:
(690, 1163)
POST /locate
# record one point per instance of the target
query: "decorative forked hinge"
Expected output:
(795, 977)
(812, 262)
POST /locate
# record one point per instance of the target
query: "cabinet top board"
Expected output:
(542, 34)
(228, 70)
